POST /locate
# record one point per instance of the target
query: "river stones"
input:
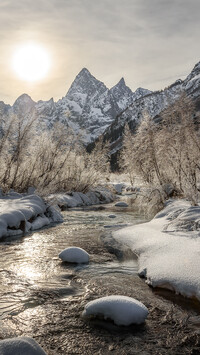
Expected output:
(121, 204)
(112, 216)
(74, 255)
(122, 310)
(20, 346)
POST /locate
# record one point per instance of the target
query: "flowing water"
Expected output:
(42, 297)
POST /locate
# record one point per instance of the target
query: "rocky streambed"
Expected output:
(43, 298)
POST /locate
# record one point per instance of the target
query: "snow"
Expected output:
(40, 222)
(96, 112)
(74, 255)
(20, 214)
(76, 199)
(122, 310)
(20, 346)
(168, 250)
(75, 107)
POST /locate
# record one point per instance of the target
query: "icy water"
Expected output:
(42, 297)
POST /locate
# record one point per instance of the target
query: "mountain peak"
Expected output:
(23, 103)
(139, 92)
(121, 82)
(84, 71)
(121, 87)
(194, 73)
(196, 70)
(25, 98)
(86, 83)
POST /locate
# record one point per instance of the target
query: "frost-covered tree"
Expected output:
(167, 152)
(179, 143)
(139, 154)
(50, 160)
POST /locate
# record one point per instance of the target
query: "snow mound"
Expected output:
(122, 310)
(74, 255)
(75, 199)
(20, 346)
(168, 255)
(121, 204)
(185, 220)
(20, 214)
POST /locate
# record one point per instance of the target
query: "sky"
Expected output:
(150, 43)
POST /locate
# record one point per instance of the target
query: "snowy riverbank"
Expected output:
(21, 213)
(168, 248)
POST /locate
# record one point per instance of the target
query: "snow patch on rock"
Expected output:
(20, 346)
(20, 214)
(74, 255)
(122, 310)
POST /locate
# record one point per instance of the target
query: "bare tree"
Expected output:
(167, 152)
(51, 160)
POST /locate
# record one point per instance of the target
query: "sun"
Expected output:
(31, 62)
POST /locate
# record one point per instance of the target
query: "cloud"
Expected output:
(142, 40)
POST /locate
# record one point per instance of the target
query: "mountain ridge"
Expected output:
(90, 106)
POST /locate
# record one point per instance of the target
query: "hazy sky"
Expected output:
(151, 43)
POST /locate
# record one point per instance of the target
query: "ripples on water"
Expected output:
(42, 297)
(30, 269)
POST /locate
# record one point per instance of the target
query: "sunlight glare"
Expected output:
(31, 62)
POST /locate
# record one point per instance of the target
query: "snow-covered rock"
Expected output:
(184, 220)
(92, 196)
(20, 346)
(118, 188)
(40, 222)
(20, 214)
(122, 310)
(74, 255)
(63, 200)
(168, 256)
(104, 195)
(76, 199)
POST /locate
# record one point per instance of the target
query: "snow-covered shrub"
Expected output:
(50, 160)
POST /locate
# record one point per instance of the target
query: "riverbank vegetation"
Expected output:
(50, 160)
(165, 152)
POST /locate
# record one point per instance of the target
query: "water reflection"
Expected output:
(30, 270)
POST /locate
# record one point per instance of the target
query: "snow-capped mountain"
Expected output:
(192, 83)
(88, 106)
(153, 103)
(94, 109)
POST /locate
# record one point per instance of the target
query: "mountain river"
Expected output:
(43, 298)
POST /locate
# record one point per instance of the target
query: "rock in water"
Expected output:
(20, 346)
(121, 204)
(122, 310)
(74, 255)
